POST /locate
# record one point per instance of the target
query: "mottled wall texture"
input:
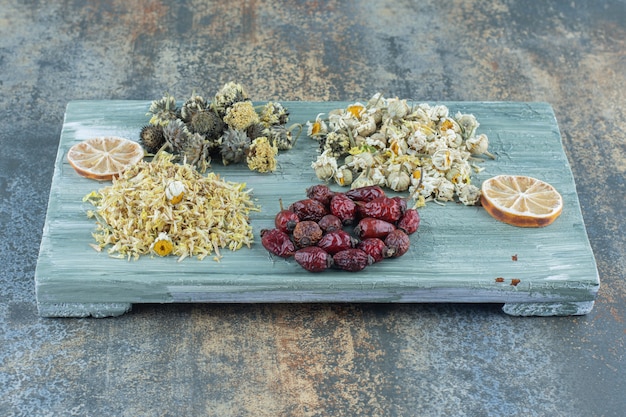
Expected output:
(313, 360)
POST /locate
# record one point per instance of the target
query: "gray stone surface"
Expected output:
(313, 359)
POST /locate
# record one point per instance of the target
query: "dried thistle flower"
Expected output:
(176, 135)
(152, 138)
(273, 113)
(228, 95)
(163, 111)
(234, 146)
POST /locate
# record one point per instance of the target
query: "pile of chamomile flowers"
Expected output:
(422, 149)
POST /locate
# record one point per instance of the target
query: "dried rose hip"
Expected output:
(401, 201)
(383, 208)
(321, 193)
(277, 242)
(409, 222)
(337, 241)
(397, 243)
(286, 220)
(313, 259)
(371, 227)
(330, 223)
(309, 209)
(352, 260)
(307, 233)
(344, 208)
(367, 193)
(374, 247)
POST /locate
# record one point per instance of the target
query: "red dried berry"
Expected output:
(365, 194)
(330, 223)
(313, 259)
(397, 243)
(344, 208)
(371, 227)
(277, 242)
(307, 233)
(409, 222)
(337, 241)
(321, 193)
(309, 209)
(352, 260)
(286, 220)
(383, 208)
(374, 247)
(401, 201)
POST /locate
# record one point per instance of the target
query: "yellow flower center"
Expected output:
(356, 110)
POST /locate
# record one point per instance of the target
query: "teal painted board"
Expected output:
(456, 255)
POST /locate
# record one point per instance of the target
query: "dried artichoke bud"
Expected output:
(274, 113)
(228, 95)
(241, 115)
(163, 111)
(176, 135)
(234, 146)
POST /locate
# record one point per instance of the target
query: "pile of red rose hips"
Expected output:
(312, 230)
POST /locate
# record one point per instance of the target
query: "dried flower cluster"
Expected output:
(387, 142)
(164, 208)
(225, 127)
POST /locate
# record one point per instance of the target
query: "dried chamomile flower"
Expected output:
(262, 155)
(241, 115)
(397, 109)
(274, 113)
(174, 192)
(234, 146)
(467, 123)
(317, 128)
(325, 166)
(478, 145)
(163, 111)
(228, 95)
(343, 176)
(468, 194)
(398, 179)
(162, 245)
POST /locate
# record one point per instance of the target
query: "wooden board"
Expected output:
(456, 256)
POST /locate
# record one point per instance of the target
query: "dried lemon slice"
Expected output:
(103, 158)
(521, 201)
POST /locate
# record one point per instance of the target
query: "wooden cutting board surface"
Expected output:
(459, 254)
